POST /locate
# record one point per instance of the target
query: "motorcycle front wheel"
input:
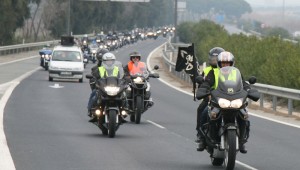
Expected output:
(112, 123)
(230, 149)
(139, 108)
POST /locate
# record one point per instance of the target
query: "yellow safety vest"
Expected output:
(102, 71)
(216, 73)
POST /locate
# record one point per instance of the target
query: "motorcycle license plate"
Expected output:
(66, 73)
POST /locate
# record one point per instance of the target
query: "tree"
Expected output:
(10, 20)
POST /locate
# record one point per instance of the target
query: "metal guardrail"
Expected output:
(170, 54)
(5, 50)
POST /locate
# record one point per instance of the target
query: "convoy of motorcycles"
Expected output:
(119, 98)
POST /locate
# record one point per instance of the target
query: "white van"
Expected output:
(66, 63)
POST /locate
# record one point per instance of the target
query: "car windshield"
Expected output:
(73, 56)
(139, 69)
(230, 80)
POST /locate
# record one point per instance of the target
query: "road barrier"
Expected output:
(275, 92)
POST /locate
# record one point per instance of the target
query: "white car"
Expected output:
(66, 63)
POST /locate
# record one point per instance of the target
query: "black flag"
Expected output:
(187, 61)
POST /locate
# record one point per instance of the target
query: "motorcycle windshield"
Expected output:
(139, 69)
(110, 66)
(45, 51)
(230, 81)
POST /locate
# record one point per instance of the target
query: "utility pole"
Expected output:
(69, 18)
(175, 21)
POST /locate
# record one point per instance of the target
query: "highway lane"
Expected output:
(47, 128)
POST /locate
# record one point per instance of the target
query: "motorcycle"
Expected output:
(109, 111)
(94, 50)
(45, 58)
(138, 93)
(227, 108)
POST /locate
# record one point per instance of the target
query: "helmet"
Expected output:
(101, 53)
(135, 54)
(225, 57)
(213, 55)
(108, 60)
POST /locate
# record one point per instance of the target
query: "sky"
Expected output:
(274, 3)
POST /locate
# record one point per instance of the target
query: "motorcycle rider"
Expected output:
(133, 66)
(211, 80)
(107, 68)
(212, 60)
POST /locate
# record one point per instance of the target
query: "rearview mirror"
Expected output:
(199, 79)
(252, 80)
(88, 76)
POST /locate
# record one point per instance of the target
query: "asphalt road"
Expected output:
(46, 129)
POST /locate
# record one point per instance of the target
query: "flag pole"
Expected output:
(194, 72)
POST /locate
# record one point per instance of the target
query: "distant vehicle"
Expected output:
(66, 62)
(45, 55)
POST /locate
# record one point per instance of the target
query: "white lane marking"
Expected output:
(274, 120)
(155, 124)
(245, 165)
(22, 59)
(6, 159)
(56, 86)
(148, 65)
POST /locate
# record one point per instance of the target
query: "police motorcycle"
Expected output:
(45, 55)
(227, 105)
(109, 110)
(138, 93)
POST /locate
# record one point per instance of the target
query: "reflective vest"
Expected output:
(103, 71)
(216, 73)
(133, 68)
(231, 76)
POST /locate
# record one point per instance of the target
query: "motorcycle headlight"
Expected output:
(224, 103)
(111, 91)
(47, 57)
(138, 80)
(43, 56)
(94, 51)
(101, 46)
(237, 103)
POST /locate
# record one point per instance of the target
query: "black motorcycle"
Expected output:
(109, 110)
(227, 109)
(138, 93)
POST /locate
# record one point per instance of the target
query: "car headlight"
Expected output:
(138, 80)
(224, 103)
(111, 90)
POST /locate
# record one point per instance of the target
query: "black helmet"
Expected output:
(135, 54)
(101, 53)
(213, 54)
(225, 57)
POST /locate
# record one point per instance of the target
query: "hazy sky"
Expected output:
(272, 3)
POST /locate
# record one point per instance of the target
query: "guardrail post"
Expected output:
(290, 106)
(274, 103)
(261, 100)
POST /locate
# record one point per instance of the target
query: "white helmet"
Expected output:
(108, 56)
(108, 60)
